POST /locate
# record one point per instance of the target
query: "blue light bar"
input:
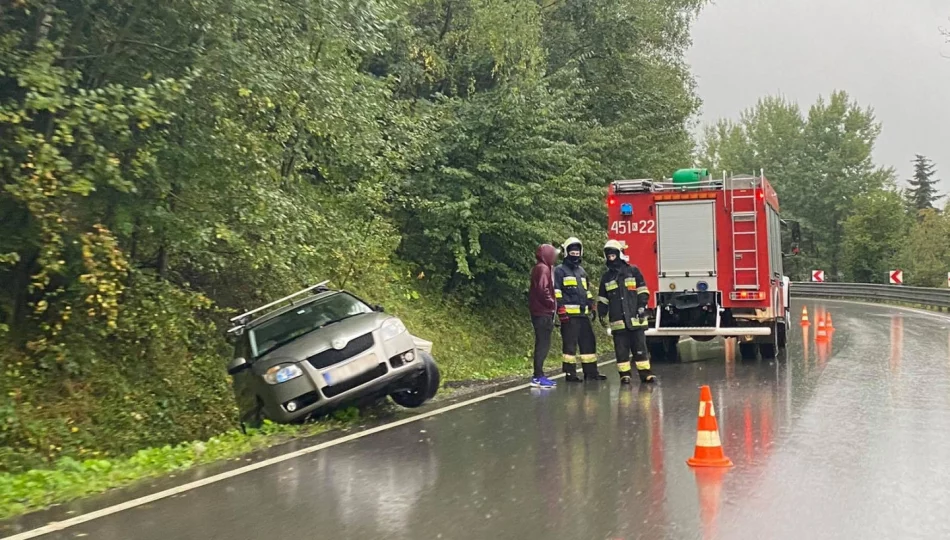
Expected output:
(626, 209)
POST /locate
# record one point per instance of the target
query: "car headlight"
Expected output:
(392, 328)
(279, 374)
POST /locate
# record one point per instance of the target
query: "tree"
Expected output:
(925, 256)
(532, 107)
(160, 161)
(874, 235)
(819, 162)
(923, 194)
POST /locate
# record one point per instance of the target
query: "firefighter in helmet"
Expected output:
(621, 304)
(575, 307)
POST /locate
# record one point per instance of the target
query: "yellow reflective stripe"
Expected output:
(584, 282)
(589, 358)
(643, 290)
(572, 308)
(617, 325)
(557, 293)
(610, 285)
(568, 358)
(603, 300)
(590, 294)
(630, 283)
(623, 367)
(643, 364)
(570, 281)
(637, 322)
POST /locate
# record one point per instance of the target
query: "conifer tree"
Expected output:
(923, 194)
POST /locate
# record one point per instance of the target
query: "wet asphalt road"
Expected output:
(849, 439)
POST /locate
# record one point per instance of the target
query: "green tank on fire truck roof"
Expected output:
(689, 176)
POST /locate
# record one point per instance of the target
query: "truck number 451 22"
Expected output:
(644, 226)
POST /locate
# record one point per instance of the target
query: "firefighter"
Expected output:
(622, 302)
(575, 307)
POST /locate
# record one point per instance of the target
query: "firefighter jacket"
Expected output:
(571, 291)
(622, 291)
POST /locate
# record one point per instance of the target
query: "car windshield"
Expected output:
(304, 319)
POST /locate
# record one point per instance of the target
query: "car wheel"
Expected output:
(423, 388)
(255, 417)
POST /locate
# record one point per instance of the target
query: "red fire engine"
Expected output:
(711, 252)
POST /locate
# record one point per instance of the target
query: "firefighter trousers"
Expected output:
(577, 333)
(632, 342)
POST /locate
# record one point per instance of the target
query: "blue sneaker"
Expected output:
(542, 382)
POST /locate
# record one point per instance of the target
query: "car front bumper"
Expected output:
(383, 365)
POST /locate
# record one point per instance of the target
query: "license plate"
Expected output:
(352, 369)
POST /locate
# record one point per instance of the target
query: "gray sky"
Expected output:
(885, 53)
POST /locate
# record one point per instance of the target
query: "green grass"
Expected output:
(71, 479)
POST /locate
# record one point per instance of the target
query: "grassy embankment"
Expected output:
(92, 435)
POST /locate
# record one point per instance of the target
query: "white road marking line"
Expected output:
(85, 518)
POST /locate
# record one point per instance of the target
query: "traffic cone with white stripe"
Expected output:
(708, 452)
(805, 316)
(822, 333)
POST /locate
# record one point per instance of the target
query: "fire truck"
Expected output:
(711, 253)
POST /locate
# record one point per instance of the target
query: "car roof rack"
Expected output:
(243, 318)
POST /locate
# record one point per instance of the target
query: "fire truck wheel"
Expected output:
(775, 341)
(748, 350)
(782, 335)
(663, 349)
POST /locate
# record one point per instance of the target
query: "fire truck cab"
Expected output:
(711, 253)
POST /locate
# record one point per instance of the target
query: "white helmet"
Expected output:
(618, 246)
(570, 242)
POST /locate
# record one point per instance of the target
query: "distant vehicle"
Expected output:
(711, 253)
(313, 353)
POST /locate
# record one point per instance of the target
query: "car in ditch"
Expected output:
(318, 349)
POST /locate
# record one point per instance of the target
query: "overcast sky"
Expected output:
(885, 53)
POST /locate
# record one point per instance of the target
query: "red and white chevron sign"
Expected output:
(818, 275)
(897, 277)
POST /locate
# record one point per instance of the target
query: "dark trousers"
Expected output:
(543, 328)
(629, 343)
(576, 333)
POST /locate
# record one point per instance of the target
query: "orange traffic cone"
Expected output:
(805, 316)
(829, 325)
(822, 333)
(708, 452)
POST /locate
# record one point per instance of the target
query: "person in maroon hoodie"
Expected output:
(542, 305)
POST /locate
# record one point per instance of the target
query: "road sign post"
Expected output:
(896, 277)
(818, 276)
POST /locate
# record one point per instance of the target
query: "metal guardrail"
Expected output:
(923, 296)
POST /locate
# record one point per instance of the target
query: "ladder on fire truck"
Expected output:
(742, 206)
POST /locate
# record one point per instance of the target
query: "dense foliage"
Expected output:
(163, 163)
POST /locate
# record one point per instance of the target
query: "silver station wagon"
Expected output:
(307, 354)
